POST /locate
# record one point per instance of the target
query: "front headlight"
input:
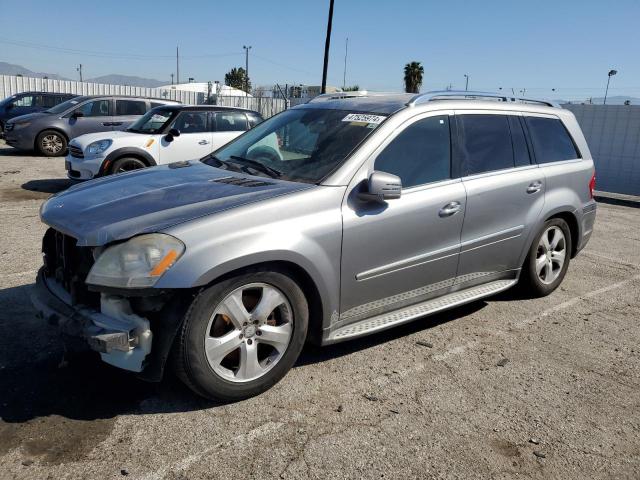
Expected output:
(98, 147)
(136, 263)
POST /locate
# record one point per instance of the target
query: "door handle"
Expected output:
(203, 142)
(449, 209)
(107, 124)
(115, 124)
(534, 187)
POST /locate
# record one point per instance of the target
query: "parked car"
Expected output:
(163, 135)
(29, 102)
(338, 218)
(49, 132)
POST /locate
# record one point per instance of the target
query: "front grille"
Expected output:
(8, 127)
(76, 152)
(69, 265)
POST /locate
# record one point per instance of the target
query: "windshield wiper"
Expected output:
(272, 172)
(227, 165)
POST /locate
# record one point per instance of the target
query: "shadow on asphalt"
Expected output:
(12, 152)
(50, 185)
(37, 381)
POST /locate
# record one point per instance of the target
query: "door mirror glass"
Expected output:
(171, 134)
(382, 186)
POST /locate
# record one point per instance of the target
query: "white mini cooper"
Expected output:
(163, 135)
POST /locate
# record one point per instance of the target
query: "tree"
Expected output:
(413, 77)
(352, 88)
(235, 78)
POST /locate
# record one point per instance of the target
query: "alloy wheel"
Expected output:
(249, 332)
(551, 254)
(52, 143)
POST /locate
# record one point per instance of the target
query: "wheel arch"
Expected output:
(126, 152)
(574, 228)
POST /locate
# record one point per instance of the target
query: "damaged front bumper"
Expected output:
(122, 337)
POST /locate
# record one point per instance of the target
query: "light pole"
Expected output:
(327, 43)
(246, 70)
(609, 75)
(466, 85)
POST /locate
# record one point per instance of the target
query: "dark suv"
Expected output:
(29, 102)
(49, 132)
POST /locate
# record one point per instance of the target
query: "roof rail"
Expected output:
(421, 98)
(324, 97)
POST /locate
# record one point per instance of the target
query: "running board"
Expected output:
(407, 314)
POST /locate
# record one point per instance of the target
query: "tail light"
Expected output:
(592, 184)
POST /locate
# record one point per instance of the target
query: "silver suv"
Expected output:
(339, 218)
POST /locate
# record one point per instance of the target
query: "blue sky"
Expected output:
(537, 46)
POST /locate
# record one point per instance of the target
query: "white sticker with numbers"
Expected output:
(364, 118)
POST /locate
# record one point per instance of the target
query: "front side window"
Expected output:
(420, 154)
(130, 107)
(97, 108)
(154, 121)
(26, 101)
(551, 141)
(191, 122)
(485, 143)
(230, 122)
(301, 144)
(64, 106)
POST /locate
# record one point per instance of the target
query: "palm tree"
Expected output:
(413, 77)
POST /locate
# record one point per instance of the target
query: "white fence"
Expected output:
(10, 85)
(266, 106)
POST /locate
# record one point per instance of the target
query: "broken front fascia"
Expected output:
(122, 338)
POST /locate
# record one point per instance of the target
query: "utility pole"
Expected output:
(246, 69)
(466, 86)
(177, 66)
(327, 44)
(344, 76)
(79, 69)
(172, 79)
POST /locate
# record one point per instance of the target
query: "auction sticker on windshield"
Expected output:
(364, 119)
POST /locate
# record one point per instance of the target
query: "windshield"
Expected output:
(153, 121)
(64, 106)
(300, 144)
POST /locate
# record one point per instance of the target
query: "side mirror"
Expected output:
(171, 134)
(382, 186)
(77, 114)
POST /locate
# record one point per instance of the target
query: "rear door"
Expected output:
(505, 193)
(127, 111)
(227, 126)
(194, 141)
(96, 117)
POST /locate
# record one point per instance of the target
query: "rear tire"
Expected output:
(548, 259)
(242, 335)
(51, 143)
(126, 164)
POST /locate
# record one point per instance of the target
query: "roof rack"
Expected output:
(324, 97)
(470, 95)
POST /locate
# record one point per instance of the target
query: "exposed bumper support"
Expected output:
(122, 337)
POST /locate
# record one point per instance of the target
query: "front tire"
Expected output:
(242, 335)
(51, 143)
(548, 259)
(126, 164)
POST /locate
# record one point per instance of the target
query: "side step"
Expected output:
(407, 314)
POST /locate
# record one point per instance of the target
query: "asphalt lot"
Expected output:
(566, 404)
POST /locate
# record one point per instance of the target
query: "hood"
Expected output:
(29, 117)
(152, 199)
(88, 138)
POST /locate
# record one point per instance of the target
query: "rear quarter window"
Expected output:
(551, 140)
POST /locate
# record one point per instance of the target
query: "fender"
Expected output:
(123, 152)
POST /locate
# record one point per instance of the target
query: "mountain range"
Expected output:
(113, 79)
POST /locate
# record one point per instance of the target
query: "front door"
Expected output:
(406, 250)
(96, 116)
(194, 141)
(505, 194)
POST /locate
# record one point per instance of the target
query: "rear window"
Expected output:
(485, 143)
(131, 107)
(230, 121)
(551, 141)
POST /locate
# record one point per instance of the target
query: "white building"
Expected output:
(203, 87)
